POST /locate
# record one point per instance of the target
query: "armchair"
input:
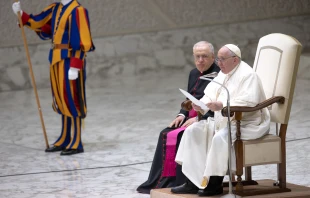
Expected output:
(276, 63)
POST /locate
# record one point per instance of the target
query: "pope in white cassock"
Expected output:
(203, 150)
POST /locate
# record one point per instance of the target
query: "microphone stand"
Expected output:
(230, 193)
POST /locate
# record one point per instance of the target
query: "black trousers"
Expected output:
(155, 179)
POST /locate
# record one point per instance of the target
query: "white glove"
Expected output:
(73, 73)
(16, 8)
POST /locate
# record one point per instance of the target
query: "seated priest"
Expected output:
(203, 150)
(164, 171)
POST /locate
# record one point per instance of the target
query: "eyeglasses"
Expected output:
(223, 59)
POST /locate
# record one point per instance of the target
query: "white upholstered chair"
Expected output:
(276, 63)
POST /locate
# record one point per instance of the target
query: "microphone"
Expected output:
(211, 75)
(208, 78)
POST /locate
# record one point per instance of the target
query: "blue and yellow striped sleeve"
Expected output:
(80, 36)
(35, 22)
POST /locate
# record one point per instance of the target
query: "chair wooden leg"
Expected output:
(282, 165)
(239, 171)
(248, 177)
(233, 177)
(248, 173)
(239, 153)
(239, 185)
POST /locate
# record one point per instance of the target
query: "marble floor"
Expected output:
(125, 116)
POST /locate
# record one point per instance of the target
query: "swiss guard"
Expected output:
(66, 24)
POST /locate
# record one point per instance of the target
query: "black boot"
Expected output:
(71, 151)
(187, 188)
(215, 187)
(54, 149)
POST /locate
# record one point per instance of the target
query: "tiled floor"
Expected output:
(120, 136)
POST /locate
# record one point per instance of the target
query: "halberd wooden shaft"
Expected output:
(32, 76)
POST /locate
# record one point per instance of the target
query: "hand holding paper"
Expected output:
(194, 100)
(215, 106)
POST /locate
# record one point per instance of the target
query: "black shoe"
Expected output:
(213, 192)
(71, 151)
(215, 187)
(187, 188)
(54, 149)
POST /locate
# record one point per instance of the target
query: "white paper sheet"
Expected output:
(194, 100)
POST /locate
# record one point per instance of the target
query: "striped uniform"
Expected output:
(66, 26)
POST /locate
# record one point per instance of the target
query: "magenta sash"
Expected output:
(169, 169)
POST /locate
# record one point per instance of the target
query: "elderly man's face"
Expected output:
(225, 61)
(203, 57)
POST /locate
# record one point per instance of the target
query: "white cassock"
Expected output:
(203, 150)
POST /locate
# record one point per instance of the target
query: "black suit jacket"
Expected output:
(196, 86)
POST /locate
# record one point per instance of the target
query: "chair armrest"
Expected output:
(266, 103)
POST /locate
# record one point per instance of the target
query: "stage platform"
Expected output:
(297, 191)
